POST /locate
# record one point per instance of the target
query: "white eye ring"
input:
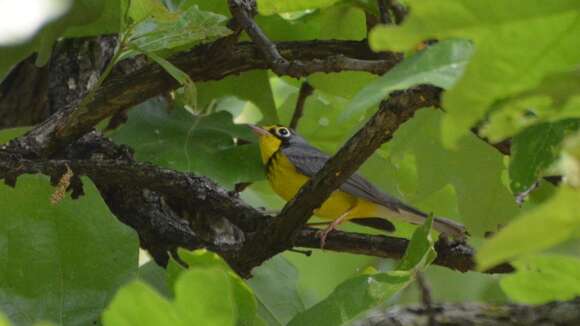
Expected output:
(283, 132)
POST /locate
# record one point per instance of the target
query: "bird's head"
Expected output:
(271, 138)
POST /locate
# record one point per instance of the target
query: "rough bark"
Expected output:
(565, 313)
(171, 209)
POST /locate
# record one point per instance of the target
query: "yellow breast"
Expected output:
(286, 181)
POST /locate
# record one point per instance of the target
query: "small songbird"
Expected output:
(290, 161)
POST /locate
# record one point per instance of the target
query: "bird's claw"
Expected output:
(322, 234)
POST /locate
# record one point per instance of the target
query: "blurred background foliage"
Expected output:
(511, 69)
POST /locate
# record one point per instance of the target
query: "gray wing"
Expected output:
(308, 160)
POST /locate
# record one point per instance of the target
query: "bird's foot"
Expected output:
(322, 234)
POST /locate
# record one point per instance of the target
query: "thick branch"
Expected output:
(565, 313)
(201, 202)
(206, 62)
(30, 94)
(456, 256)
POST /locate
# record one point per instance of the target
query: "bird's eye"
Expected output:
(283, 132)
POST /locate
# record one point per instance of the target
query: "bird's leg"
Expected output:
(322, 234)
(271, 211)
(318, 223)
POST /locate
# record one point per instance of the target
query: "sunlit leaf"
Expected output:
(474, 170)
(206, 293)
(269, 7)
(420, 252)
(535, 149)
(541, 279)
(441, 65)
(557, 97)
(553, 222)
(517, 43)
(359, 294)
(250, 86)
(137, 304)
(243, 302)
(180, 31)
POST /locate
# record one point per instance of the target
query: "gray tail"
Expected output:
(450, 228)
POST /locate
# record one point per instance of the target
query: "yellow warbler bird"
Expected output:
(290, 161)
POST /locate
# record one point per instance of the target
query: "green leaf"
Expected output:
(361, 293)
(188, 86)
(353, 297)
(218, 7)
(569, 164)
(270, 7)
(542, 279)
(8, 134)
(420, 252)
(3, 320)
(180, 140)
(557, 97)
(542, 227)
(441, 64)
(253, 86)
(176, 31)
(518, 43)
(535, 149)
(156, 277)
(206, 297)
(136, 304)
(207, 293)
(341, 22)
(275, 287)
(91, 18)
(242, 297)
(66, 260)
(142, 9)
(473, 169)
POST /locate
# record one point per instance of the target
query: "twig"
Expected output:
(383, 12)
(305, 91)
(276, 61)
(457, 256)
(399, 11)
(505, 147)
(426, 298)
(425, 289)
(121, 91)
(521, 197)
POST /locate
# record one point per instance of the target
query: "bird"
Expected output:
(289, 162)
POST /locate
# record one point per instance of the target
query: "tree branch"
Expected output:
(304, 92)
(169, 209)
(383, 12)
(564, 313)
(206, 62)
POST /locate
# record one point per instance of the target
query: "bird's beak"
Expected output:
(259, 131)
